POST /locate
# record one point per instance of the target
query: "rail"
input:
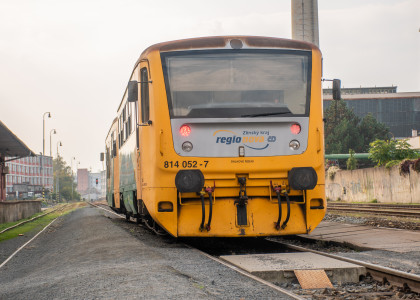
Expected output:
(400, 210)
(395, 277)
(26, 221)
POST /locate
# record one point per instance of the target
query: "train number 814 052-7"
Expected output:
(186, 164)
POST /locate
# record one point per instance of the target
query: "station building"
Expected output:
(27, 176)
(400, 112)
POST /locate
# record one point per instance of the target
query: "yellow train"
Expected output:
(221, 136)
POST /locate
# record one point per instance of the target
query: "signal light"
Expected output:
(295, 128)
(185, 130)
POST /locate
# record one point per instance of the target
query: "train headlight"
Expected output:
(187, 146)
(302, 178)
(294, 145)
(189, 181)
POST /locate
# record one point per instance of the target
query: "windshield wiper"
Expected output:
(266, 114)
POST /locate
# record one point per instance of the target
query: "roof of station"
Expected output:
(376, 96)
(11, 145)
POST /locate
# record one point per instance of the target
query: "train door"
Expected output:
(143, 118)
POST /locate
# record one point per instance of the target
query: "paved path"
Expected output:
(390, 239)
(85, 255)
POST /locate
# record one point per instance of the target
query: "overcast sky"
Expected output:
(74, 58)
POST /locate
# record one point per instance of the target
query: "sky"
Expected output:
(74, 58)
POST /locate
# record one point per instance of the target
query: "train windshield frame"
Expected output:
(237, 83)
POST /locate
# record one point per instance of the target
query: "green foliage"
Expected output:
(344, 130)
(371, 130)
(392, 163)
(390, 152)
(65, 178)
(352, 161)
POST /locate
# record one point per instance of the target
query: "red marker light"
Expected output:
(295, 128)
(185, 130)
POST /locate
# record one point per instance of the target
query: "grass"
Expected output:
(10, 224)
(37, 224)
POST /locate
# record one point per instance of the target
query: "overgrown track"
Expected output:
(30, 220)
(400, 210)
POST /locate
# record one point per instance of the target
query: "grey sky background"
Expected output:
(74, 58)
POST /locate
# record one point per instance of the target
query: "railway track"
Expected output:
(395, 277)
(407, 281)
(399, 210)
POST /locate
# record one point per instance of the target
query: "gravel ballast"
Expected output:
(86, 255)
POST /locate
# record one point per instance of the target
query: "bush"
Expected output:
(352, 161)
(383, 152)
(331, 172)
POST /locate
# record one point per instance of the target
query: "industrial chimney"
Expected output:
(305, 21)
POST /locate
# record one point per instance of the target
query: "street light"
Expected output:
(43, 149)
(57, 189)
(72, 179)
(53, 132)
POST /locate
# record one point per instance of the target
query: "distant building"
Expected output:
(28, 175)
(364, 90)
(400, 112)
(414, 141)
(82, 181)
(90, 185)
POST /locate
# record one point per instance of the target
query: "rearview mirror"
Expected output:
(336, 89)
(132, 91)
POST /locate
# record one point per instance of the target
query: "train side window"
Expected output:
(133, 115)
(144, 95)
(108, 171)
(121, 131)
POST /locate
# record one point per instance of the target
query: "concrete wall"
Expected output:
(365, 185)
(11, 211)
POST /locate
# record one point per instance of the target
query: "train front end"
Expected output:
(242, 151)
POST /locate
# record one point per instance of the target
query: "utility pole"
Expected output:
(72, 179)
(43, 151)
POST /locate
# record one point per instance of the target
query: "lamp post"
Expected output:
(43, 149)
(53, 131)
(77, 168)
(72, 179)
(57, 189)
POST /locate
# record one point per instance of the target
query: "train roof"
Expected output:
(222, 41)
(110, 128)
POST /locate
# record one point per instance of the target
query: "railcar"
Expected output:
(221, 137)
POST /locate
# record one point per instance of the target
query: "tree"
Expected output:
(352, 161)
(372, 130)
(345, 131)
(389, 151)
(65, 178)
(341, 129)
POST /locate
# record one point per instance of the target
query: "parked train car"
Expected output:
(221, 136)
(112, 167)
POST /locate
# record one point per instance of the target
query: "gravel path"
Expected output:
(85, 255)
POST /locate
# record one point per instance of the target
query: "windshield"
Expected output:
(242, 83)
